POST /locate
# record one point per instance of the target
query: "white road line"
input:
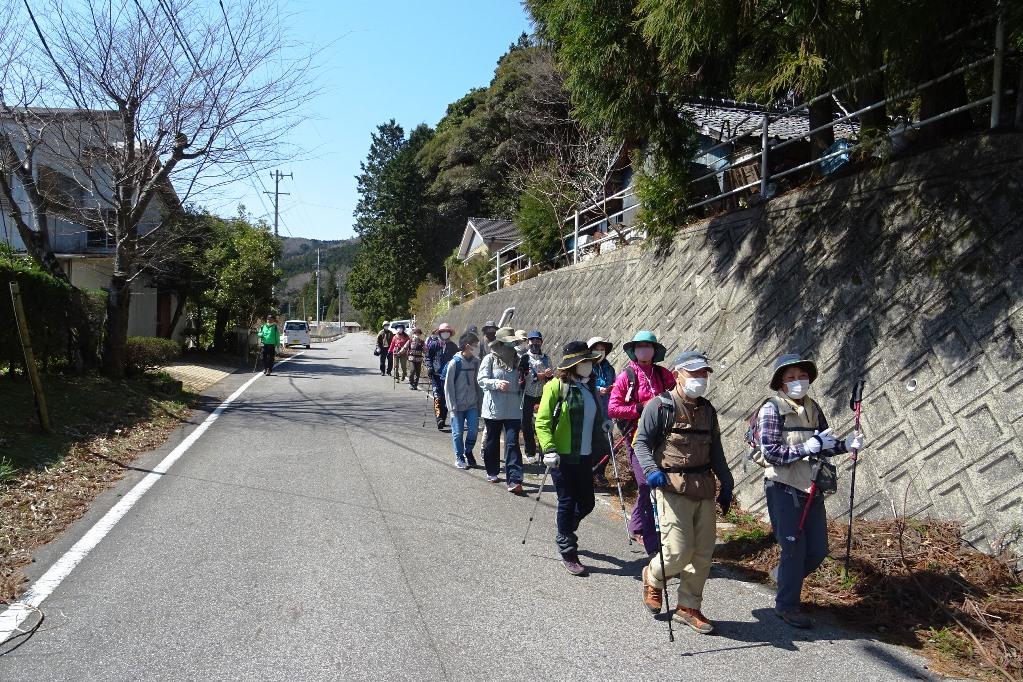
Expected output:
(16, 613)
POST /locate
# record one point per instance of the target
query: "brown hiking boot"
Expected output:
(694, 619)
(652, 596)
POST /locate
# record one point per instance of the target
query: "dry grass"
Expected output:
(911, 582)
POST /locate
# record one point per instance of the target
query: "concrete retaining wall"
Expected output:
(909, 276)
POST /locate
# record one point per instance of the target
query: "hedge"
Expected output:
(146, 353)
(47, 304)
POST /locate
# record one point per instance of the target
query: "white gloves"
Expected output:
(551, 459)
(608, 426)
(820, 441)
(854, 442)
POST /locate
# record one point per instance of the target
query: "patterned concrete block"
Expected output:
(910, 276)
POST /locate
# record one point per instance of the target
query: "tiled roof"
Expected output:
(495, 229)
(725, 120)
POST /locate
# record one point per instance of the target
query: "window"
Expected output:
(99, 234)
(296, 327)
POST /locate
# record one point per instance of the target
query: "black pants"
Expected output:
(269, 351)
(573, 481)
(413, 375)
(385, 362)
(528, 430)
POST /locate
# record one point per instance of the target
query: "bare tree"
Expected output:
(152, 103)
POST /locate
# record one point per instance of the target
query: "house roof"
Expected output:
(493, 231)
(723, 119)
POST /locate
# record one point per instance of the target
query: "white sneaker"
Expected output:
(531, 460)
(461, 465)
(491, 479)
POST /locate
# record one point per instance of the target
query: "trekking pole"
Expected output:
(809, 501)
(664, 573)
(855, 403)
(618, 482)
(429, 402)
(529, 525)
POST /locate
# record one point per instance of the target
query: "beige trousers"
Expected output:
(687, 538)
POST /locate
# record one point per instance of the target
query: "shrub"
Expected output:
(47, 302)
(146, 353)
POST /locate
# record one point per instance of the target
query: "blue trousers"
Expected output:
(512, 454)
(799, 557)
(464, 425)
(573, 481)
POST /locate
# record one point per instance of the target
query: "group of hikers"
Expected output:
(401, 354)
(567, 414)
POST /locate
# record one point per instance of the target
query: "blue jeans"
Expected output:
(512, 454)
(799, 558)
(464, 425)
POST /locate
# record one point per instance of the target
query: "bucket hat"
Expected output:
(521, 335)
(645, 337)
(575, 352)
(692, 361)
(599, 339)
(489, 324)
(505, 335)
(791, 360)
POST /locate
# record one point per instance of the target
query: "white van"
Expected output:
(296, 333)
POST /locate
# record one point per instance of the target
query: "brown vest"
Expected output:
(685, 455)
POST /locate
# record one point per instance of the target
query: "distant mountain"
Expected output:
(298, 266)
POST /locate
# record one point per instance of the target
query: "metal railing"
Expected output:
(510, 262)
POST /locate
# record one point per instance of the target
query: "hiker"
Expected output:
(604, 378)
(498, 377)
(793, 438)
(416, 348)
(437, 357)
(641, 381)
(463, 398)
(521, 342)
(678, 445)
(269, 337)
(535, 370)
(572, 429)
(383, 348)
(399, 351)
(489, 333)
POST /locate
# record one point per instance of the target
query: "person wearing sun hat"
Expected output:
(499, 379)
(793, 432)
(535, 370)
(572, 429)
(642, 380)
(678, 445)
(438, 355)
(603, 378)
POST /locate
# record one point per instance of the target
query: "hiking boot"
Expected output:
(572, 564)
(694, 619)
(796, 619)
(515, 489)
(470, 462)
(652, 596)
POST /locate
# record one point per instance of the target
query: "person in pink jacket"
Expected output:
(641, 380)
(399, 349)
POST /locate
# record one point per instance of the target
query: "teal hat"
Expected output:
(645, 337)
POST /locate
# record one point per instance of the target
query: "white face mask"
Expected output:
(695, 386)
(601, 357)
(797, 389)
(644, 354)
(522, 347)
(445, 335)
(583, 369)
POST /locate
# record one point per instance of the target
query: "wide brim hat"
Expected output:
(645, 337)
(505, 335)
(520, 335)
(791, 360)
(574, 353)
(599, 339)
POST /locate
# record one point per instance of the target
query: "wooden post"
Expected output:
(30, 361)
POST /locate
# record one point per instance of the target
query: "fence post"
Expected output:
(575, 240)
(497, 269)
(996, 76)
(30, 360)
(764, 169)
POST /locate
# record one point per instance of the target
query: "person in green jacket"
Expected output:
(572, 428)
(270, 337)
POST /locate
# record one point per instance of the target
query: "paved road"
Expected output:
(317, 532)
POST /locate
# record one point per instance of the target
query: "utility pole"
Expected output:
(317, 290)
(277, 175)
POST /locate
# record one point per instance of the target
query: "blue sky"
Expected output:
(401, 59)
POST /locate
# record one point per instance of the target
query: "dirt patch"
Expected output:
(49, 481)
(911, 582)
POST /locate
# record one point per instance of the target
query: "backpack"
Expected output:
(630, 397)
(752, 438)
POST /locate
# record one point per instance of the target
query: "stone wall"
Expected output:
(908, 275)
